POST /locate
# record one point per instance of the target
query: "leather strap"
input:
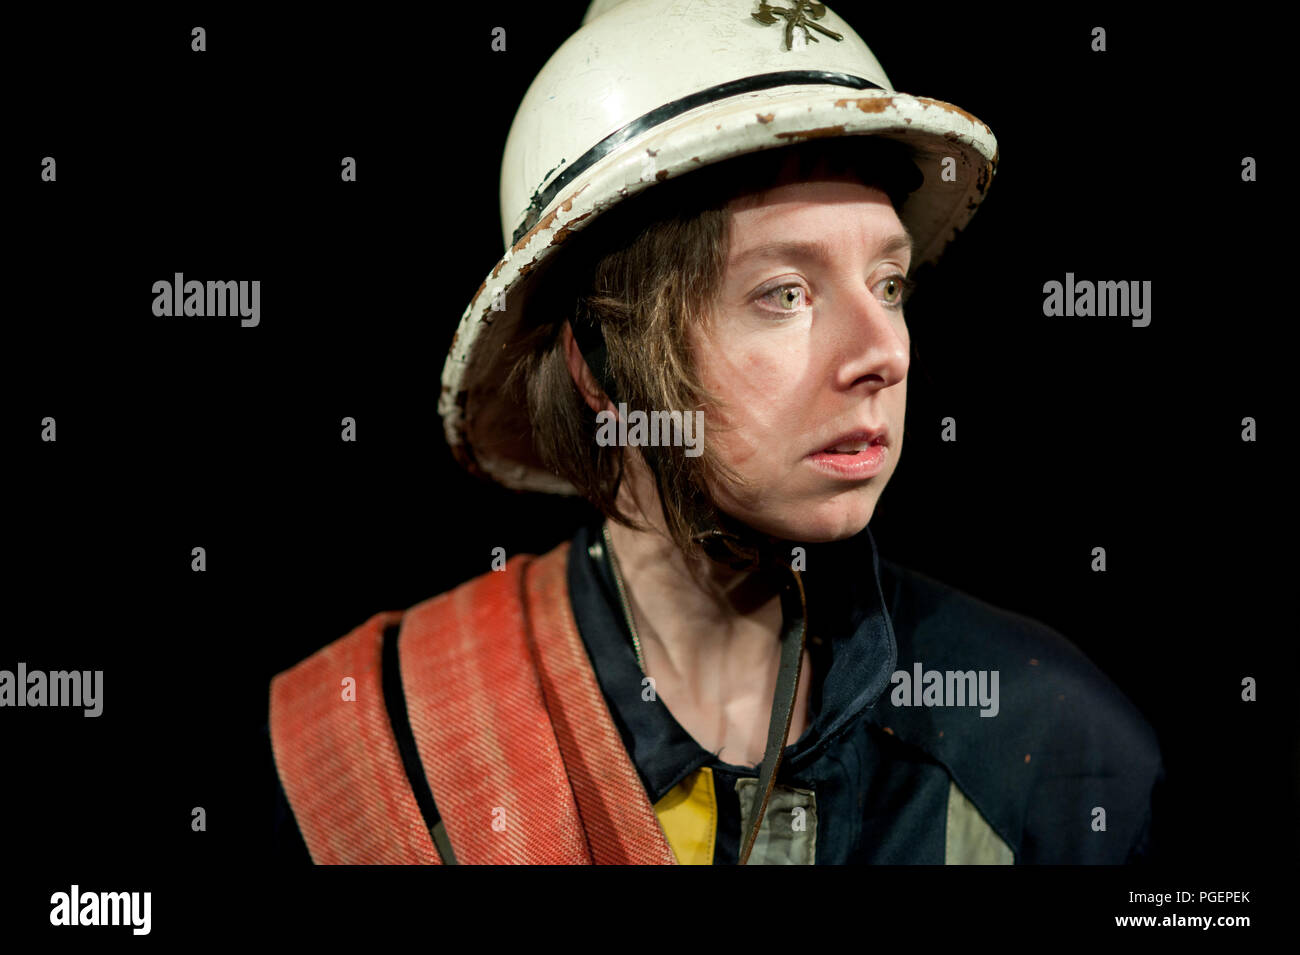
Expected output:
(793, 632)
(793, 638)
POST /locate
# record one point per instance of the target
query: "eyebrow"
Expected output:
(820, 249)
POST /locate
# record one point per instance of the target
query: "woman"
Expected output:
(698, 325)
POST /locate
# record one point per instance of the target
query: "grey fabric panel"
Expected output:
(785, 837)
(969, 839)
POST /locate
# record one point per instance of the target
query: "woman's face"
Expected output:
(808, 350)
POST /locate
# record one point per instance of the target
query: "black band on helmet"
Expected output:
(763, 81)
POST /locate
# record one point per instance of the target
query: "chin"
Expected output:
(820, 522)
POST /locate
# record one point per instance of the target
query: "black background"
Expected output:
(1072, 433)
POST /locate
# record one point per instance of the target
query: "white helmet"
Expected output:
(648, 90)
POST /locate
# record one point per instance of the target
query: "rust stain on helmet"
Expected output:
(544, 224)
(765, 118)
(873, 104)
(813, 133)
(925, 103)
(563, 232)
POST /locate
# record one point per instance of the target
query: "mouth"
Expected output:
(855, 442)
(856, 456)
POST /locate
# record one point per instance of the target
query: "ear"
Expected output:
(581, 374)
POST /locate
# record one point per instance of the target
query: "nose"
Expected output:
(871, 343)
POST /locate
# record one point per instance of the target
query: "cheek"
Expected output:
(759, 394)
(897, 420)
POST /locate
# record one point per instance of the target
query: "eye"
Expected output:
(898, 288)
(790, 297)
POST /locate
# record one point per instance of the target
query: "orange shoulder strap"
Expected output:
(338, 758)
(513, 733)
(523, 757)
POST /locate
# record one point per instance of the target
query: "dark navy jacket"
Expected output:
(1065, 771)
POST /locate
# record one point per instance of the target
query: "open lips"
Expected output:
(855, 442)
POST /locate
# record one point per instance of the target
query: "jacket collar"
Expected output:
(850, 638)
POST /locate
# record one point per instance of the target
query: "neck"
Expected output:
(698, 620)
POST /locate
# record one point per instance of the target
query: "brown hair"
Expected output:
(644, 272)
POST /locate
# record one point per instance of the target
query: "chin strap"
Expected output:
(742, 548)
(739, 547)
(793, 639)
(793, 633)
